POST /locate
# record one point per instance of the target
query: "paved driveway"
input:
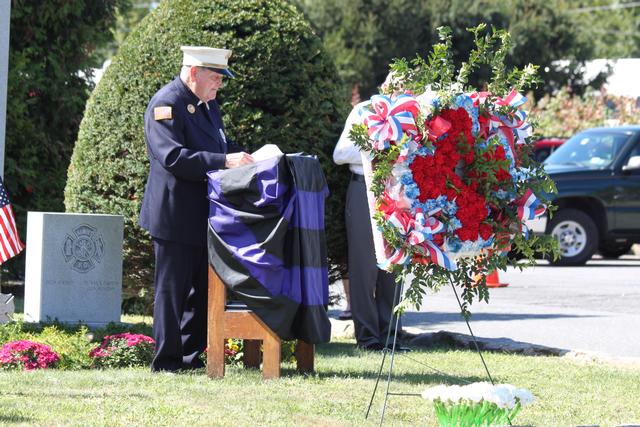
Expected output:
(594, 308)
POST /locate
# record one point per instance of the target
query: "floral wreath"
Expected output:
(450, 169)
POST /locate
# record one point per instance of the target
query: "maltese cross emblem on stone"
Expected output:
(83, 248)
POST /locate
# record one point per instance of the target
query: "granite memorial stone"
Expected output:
(7, 308)
(73, 268)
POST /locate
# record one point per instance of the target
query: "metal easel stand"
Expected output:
(396, 317)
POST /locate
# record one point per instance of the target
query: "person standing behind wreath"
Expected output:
(371, 289)
(185, 139)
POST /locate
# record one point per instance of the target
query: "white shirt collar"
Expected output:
(205, 103)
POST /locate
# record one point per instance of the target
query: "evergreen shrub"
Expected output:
(285, 92)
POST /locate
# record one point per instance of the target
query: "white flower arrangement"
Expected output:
(477, 404)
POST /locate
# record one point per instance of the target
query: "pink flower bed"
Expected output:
(27, 355)
(123, 350)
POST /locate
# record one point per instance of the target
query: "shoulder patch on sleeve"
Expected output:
(162, 113)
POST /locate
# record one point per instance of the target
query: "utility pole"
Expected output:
(5, 14)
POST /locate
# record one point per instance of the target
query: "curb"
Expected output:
(422, 338)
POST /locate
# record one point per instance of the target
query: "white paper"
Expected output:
(266, 152)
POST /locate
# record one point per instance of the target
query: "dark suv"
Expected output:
(597, 173)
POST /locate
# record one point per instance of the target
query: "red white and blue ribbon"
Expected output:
(417, 231)
(514, 99)
(517, 127)
(529, 207)
(479, 98)
(516, 123)
(390, 119)
(438, 256)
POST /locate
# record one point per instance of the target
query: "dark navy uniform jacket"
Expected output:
(182, 147)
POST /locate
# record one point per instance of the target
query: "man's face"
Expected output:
(207, 83)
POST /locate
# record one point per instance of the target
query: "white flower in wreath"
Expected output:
(395, 188)
(425, 100)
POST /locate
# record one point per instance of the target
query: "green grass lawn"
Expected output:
(567, 392)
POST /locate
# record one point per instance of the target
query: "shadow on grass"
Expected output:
(408, 378)
(422, 372)
(341, 349)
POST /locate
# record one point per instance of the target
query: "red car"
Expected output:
(543, 147)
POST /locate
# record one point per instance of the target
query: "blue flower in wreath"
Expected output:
(508, 153)
(450, 208)
(454, 224)
(454, 244)
(412, 192)
(421, 151)
(430, 205)
(503, 195)
(442, 202)
(464, 101)
(407, 179)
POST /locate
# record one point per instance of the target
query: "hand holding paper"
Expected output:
(233, 160)
(266, 152)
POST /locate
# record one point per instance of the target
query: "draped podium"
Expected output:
(267, 243)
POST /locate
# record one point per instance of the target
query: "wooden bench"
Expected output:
(244, 324)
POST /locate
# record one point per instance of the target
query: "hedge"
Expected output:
(285, 92)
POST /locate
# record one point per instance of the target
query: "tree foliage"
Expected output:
(612, 26)
(285, 92)
(52, 49)
(364, 36)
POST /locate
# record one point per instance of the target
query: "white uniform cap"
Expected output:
(207, 57)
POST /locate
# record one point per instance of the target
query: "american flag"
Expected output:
(10, 243)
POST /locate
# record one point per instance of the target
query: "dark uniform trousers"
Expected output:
(180, 309)
(372, 290)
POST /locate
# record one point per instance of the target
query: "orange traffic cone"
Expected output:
(493, 280)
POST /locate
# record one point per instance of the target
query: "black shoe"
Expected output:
(195, 364)
(371, 347)
(156, 370)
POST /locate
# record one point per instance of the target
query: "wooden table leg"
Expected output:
(271, 357)
(251, 353)
(305, 354)
(215, 321)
